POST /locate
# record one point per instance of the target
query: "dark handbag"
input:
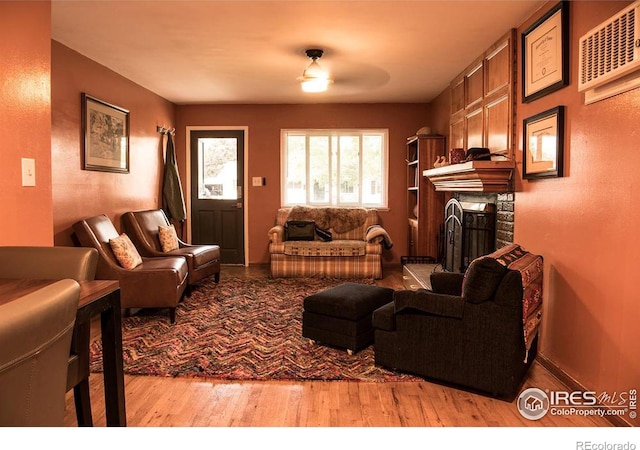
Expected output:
(299, 230)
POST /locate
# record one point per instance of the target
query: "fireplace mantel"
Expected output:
(473, 176)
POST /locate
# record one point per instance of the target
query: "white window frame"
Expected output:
(336, 132)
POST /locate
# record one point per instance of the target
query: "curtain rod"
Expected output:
(163, 130)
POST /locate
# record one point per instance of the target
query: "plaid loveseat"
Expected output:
(354, 251)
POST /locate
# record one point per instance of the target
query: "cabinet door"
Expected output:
(498, 126)
(457, 134)
(475, 128)
(457, 96)
(498, 69)
(488, 85)
(474, 82)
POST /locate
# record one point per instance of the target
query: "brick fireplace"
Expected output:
(487, 183)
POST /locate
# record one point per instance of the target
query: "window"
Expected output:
(334, 167)
(218, 168)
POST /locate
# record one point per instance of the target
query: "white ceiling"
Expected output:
(252, 51)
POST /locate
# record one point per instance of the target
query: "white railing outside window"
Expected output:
(335, 167)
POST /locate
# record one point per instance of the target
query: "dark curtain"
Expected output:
(172, 198)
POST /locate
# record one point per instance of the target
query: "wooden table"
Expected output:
(96, 297)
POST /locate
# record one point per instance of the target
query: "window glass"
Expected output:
(334, 167)
(319, 169)
(295, 179)
(372, 169)
(349, 169)
(217, 163)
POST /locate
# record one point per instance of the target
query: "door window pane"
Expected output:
(217, 168)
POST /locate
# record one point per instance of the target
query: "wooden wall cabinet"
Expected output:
(425, 206)
(483, 101)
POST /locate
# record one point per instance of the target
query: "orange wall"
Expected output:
(81, 193)
(25, 122)
(265, 123)
(585, 224)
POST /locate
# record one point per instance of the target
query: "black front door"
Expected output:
(217, 200)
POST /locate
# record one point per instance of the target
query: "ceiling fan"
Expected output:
(314, 78)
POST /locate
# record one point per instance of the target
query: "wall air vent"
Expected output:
(610, 56)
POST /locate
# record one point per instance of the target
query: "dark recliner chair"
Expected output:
(468, 331)
(142, 227)
(156, 283)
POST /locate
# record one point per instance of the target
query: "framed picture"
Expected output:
(545, 54)
(106, 136)
(543, 144)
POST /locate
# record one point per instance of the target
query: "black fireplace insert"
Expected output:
(469, 232)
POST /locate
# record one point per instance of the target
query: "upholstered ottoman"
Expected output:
(341, 316)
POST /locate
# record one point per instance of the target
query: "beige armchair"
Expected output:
(55, 263)
(156, 283)
(33, 365)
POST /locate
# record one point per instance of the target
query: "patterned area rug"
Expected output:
(241, 330)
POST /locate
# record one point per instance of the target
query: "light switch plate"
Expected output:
(28, 172)
(258, 181)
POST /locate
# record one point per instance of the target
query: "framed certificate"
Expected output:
(543, 144)
(545, 54)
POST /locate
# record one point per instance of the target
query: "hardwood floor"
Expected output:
(199, 402)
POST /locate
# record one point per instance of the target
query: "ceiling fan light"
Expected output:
(314, 79)
(315, 84)
(314, 71)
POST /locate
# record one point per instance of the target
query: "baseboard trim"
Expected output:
(574, 385)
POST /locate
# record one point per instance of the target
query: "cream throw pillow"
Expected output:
(168, 238)
(125, 252)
